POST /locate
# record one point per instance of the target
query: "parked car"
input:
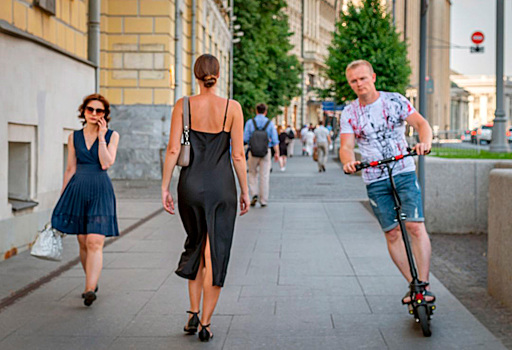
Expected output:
(466, 136)
(483, 134)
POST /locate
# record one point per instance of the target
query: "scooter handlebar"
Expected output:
(364, 165)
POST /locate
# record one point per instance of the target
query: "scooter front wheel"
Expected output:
(423, 319)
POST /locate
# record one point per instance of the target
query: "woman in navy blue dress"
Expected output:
(87, 205)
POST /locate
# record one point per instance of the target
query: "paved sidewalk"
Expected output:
(310, 271)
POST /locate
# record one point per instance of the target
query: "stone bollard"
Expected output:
(499, 244)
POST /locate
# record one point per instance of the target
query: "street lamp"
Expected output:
(498, 143)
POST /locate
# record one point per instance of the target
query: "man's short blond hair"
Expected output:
(357, 63)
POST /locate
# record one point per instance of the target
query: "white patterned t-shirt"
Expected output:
(379, 129)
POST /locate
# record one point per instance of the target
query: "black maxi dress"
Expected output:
(207, 202)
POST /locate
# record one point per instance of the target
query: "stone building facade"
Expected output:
(46, 73)
(312, 24)
(139, 71)
(482, 98)
(407, 21)
(44, 76)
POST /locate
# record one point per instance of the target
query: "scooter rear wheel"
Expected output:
(424, 321)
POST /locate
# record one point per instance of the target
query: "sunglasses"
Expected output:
(99, 111)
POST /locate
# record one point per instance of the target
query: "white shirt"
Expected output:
(321, 133)
(379, 129)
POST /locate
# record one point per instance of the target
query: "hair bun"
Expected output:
(209, 80)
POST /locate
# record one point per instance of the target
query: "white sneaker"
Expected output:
(282, 169)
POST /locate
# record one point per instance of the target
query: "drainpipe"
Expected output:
(302, 87)
(193, 48)
(93, 39)
(178, 51)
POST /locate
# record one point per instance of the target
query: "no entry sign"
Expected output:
(477, 38)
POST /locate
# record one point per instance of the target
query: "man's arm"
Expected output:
(424, 130)
(347, 156)
(248, 131)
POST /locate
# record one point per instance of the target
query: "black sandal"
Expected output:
(95, 291)
(426, 293)
(89, 298)
(204, 334)
(192, 324)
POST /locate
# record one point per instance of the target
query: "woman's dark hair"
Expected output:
(94, 97)
(206, 69)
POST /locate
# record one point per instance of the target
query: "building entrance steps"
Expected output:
(309, 271)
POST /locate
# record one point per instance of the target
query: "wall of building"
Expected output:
(67, 29)
(139, 72)
(482, 100)
(39, 107)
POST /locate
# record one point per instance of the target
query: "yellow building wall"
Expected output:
(67, 29)
(137, 51)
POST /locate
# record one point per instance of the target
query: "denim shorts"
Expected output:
(382, 202)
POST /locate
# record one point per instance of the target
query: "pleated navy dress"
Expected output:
(207, 202)
(88, 203)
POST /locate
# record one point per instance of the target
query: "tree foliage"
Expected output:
(263, 69)
(367, 32)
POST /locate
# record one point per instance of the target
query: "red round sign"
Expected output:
(477, 38)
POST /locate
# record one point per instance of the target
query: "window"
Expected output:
(46, 5)
(19, 170)
(21, 166)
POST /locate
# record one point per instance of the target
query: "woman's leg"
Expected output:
(83, 249)
(210, 292)
(94, 261)
(195, 289)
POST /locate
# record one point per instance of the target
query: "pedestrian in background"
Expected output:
(303, 132)
(261, 134)
(291, 137)
(284, 140)
(87, 205)
(309, 140)
(206, 190)
(322, 141)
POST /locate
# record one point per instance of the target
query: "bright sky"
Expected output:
(468, 16)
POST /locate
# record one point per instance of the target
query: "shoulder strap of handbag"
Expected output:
(186, 119)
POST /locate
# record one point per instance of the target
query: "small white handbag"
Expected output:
(48, 244)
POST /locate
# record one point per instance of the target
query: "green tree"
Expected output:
(367, 32)
(263, 70)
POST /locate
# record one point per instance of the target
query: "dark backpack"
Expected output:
(258, 143)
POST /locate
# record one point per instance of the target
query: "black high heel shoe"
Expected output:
(193, 322)
(204, 334)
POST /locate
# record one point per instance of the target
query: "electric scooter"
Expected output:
(418, 306)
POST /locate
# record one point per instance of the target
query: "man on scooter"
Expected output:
(376, 120)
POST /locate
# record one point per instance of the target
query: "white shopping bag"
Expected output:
(48, 244)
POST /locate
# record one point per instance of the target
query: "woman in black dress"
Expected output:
(87, 205)
(206, 190)
(284, 139)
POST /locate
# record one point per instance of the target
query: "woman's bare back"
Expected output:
(207, 113)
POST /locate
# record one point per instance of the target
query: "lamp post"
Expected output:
(499, 143)
(422, 88)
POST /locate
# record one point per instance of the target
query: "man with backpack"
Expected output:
(260, 134)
